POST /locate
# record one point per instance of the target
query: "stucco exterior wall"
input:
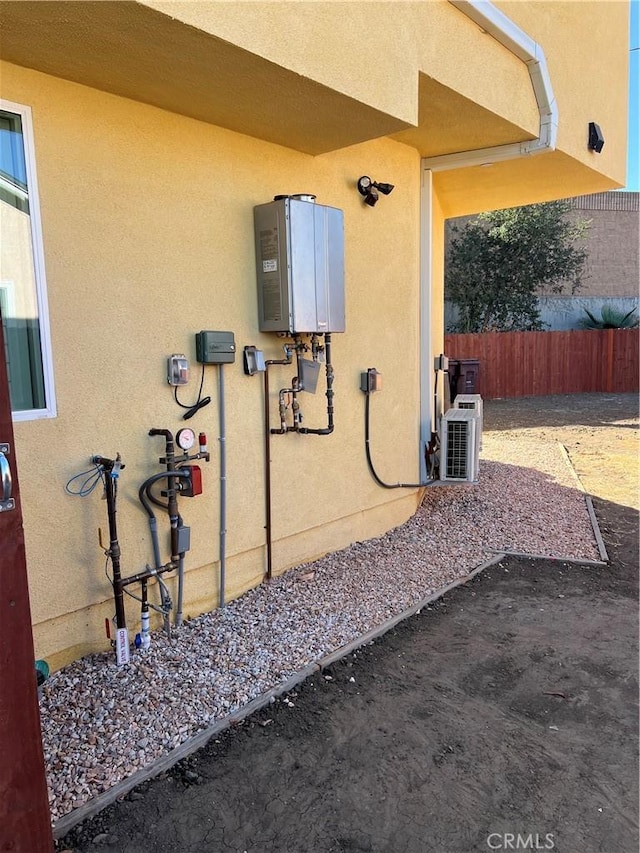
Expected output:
(320, 76)
(158, 127)
(575, 37)
(148, 229)
(373, 52)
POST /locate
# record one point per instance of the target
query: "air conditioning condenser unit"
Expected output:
(471, 401)
(459, 460)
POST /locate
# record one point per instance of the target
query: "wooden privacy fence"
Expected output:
(524, 364)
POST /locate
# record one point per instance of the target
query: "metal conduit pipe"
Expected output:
(147, 574)
(223, 484)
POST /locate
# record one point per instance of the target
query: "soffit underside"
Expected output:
(512, 183)
(136, 52)
(449, 123)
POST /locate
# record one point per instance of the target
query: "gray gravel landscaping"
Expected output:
(101, 723)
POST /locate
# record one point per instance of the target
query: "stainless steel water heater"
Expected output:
(300, 266)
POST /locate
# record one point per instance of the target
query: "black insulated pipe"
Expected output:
(114, 546)
(367, 448)
(329, 393)
(145, 495)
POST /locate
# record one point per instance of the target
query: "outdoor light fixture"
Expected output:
(369, 189)
(596, 139)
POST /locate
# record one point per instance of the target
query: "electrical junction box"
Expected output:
(184, 539)
(253, 361)
(371, 381)
(177, 369)
(215, 347)
(300, 266)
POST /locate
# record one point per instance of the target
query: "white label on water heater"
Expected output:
(270, 265)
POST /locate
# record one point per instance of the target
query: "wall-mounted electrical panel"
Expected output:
(300, 266)
(215, 347)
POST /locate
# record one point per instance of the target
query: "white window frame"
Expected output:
(50, 411)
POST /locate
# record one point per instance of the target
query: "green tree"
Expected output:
(500, 262)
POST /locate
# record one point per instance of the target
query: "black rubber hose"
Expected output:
(150, 481)
(370, 463)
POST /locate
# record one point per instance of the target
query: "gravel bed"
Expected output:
(101, 723)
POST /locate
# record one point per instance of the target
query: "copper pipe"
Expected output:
(267, 460)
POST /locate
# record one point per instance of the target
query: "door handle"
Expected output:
(6, 483)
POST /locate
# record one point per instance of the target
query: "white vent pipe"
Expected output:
(496, 24)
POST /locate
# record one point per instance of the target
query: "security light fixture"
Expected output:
(369, 189)
(385, 189)
(596, 139)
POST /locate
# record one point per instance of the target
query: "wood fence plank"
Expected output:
(523, 364)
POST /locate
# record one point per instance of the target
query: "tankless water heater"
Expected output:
(300, 266)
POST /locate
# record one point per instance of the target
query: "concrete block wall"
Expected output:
(612, 267)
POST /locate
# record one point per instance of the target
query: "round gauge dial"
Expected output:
(186, 438)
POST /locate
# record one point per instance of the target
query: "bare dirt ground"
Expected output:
(502, 717)
(599, 431)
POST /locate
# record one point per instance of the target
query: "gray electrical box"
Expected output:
(215, 347)
(300, 266)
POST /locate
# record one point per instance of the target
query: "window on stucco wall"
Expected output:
(23, 299)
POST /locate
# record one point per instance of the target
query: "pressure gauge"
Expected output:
(186, 438)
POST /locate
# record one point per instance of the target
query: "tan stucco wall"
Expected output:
(148, 236)
(373, 52)
(579, 40)
(312, 76)
(319, 76)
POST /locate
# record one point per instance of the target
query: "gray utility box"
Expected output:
(300, 266)
(215, 347)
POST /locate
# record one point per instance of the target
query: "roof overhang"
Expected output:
(133, 50)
